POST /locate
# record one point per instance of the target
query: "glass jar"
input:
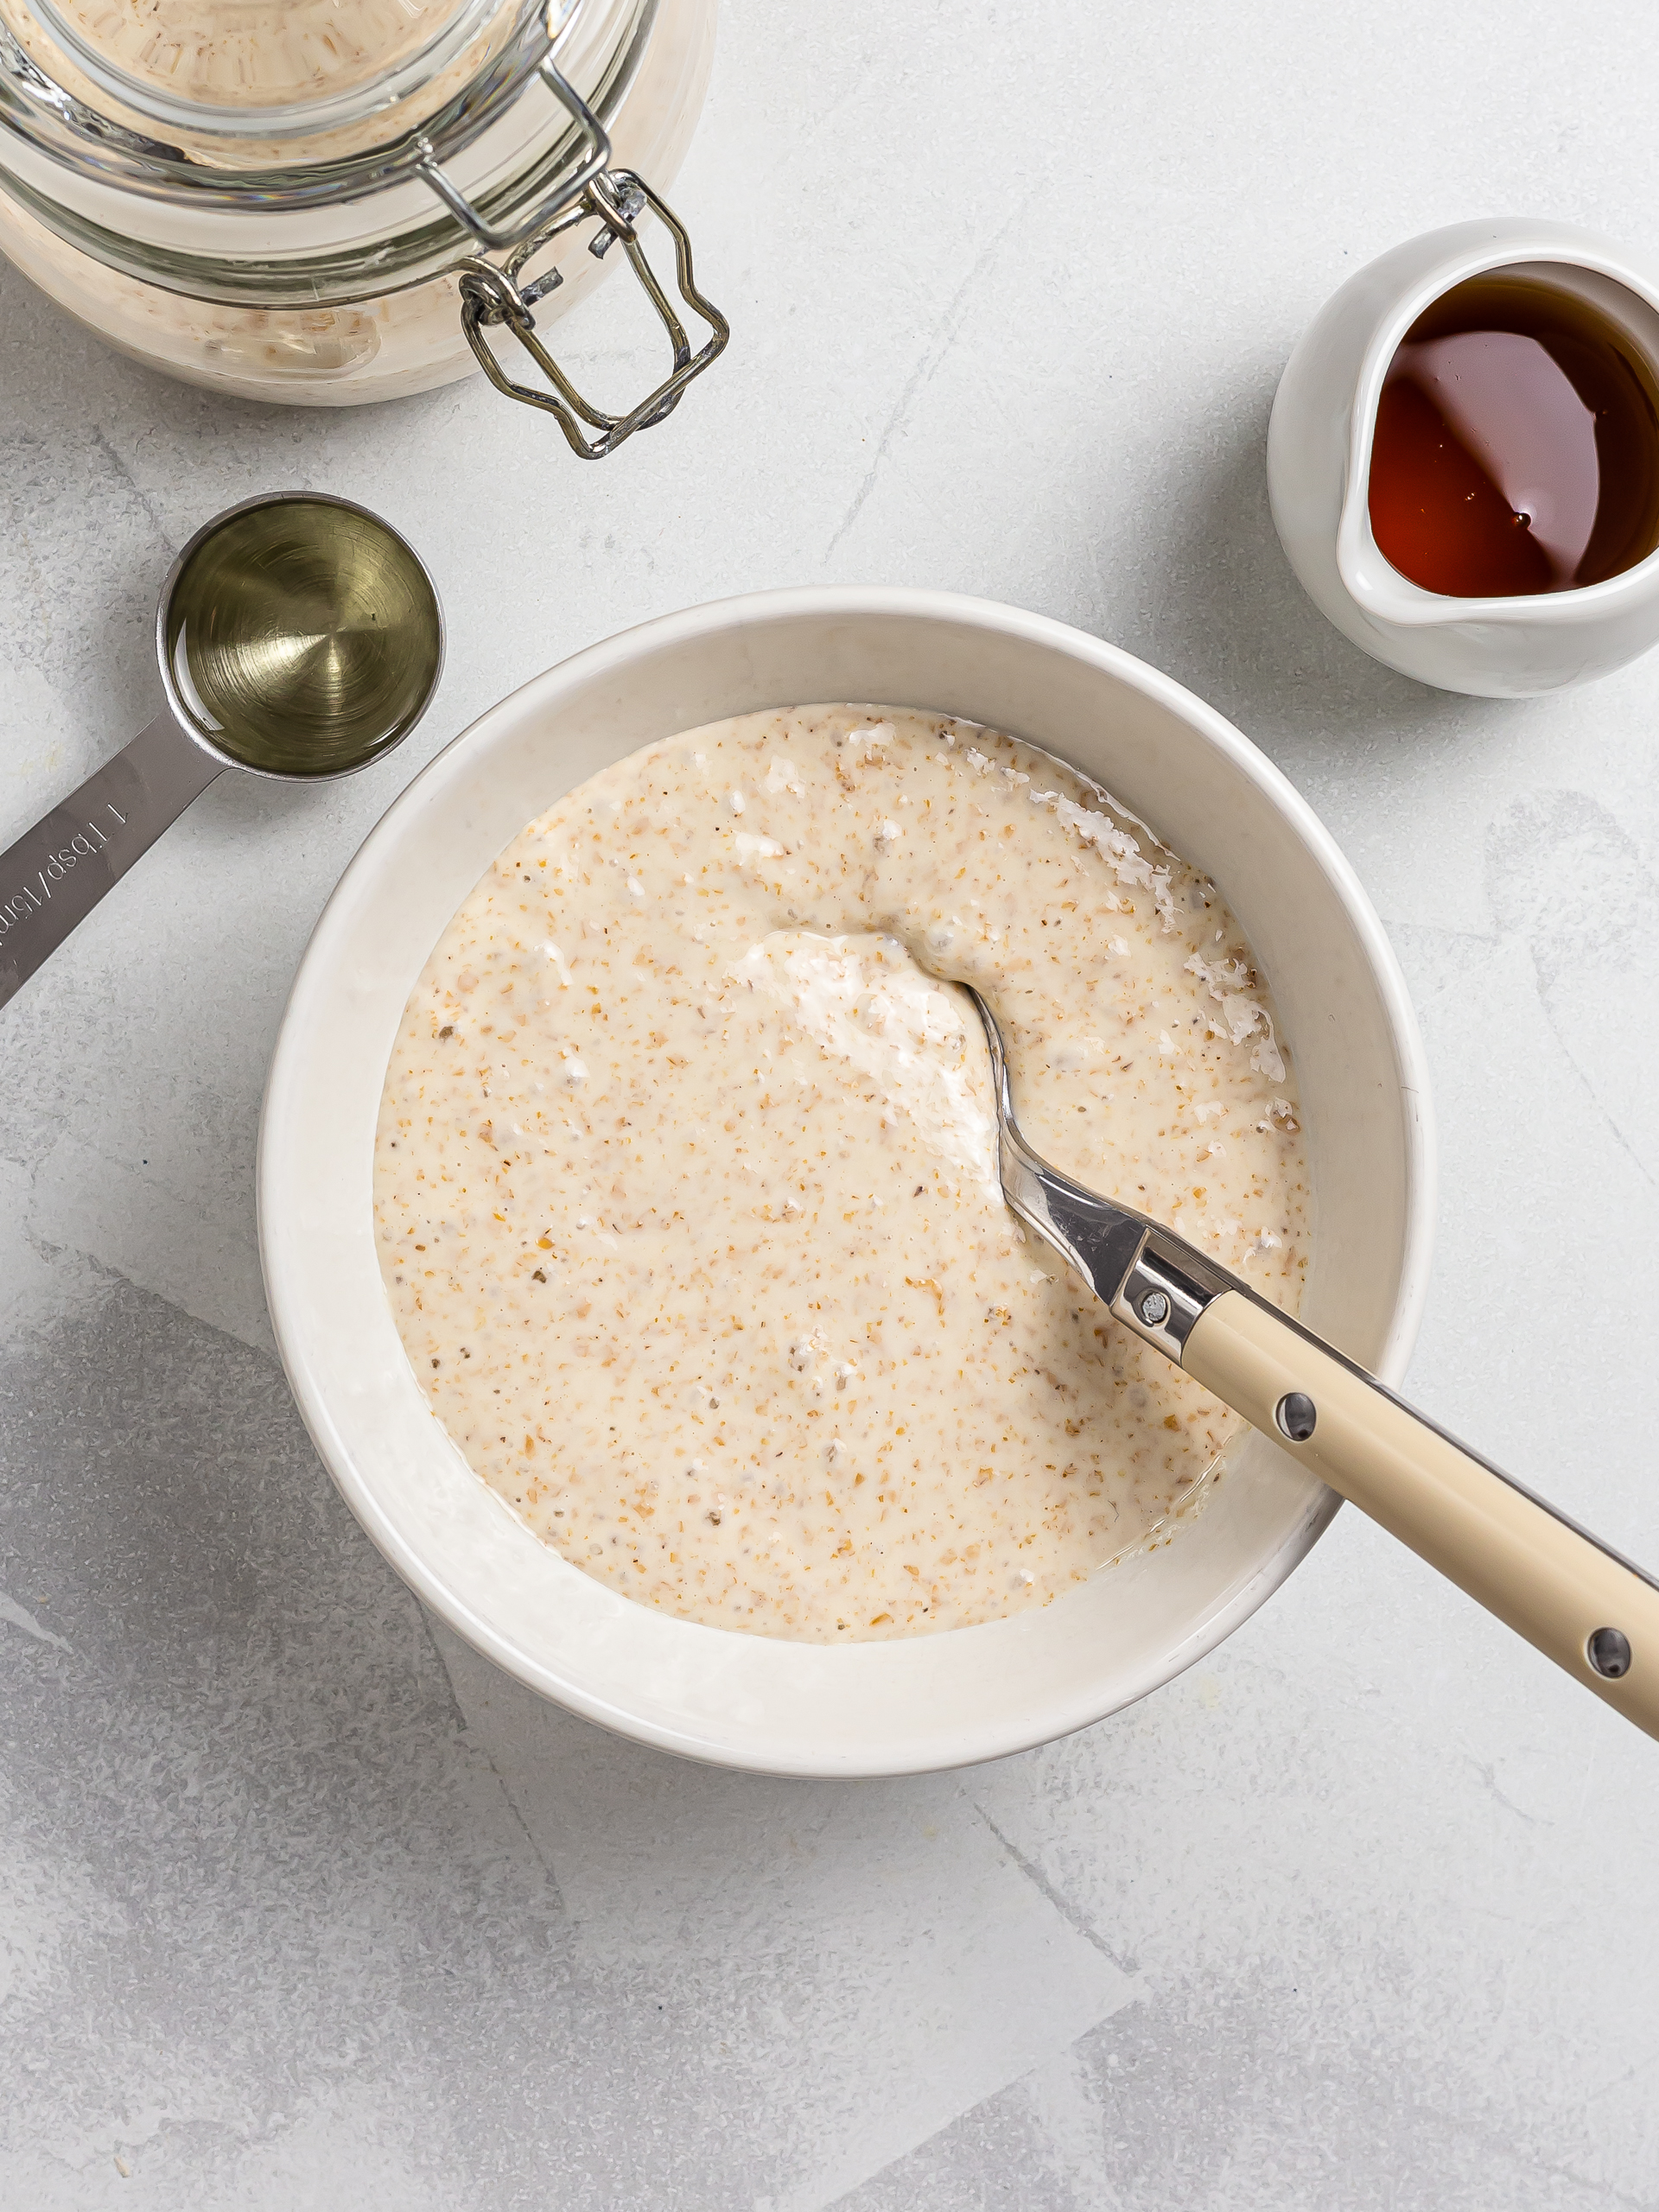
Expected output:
(327, 201)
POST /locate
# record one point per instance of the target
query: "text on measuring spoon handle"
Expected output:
(56, 872)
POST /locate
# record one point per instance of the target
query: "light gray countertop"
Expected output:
(300, 1904)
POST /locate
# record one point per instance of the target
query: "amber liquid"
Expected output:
(1517, 445)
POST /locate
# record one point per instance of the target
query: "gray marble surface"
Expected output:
(300, 1904)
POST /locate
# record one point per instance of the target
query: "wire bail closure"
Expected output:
(64, 129)
(491, 295)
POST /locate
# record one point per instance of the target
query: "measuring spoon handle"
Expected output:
(57, 871)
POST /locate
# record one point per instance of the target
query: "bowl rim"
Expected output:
(318, 968)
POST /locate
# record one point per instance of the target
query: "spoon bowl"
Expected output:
(299, 637)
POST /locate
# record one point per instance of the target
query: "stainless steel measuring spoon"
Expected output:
(299, 637)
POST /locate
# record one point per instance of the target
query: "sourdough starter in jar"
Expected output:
(686, 1186)
(256, 53)
(331, 306)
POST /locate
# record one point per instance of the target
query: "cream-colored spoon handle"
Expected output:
(1585, 1608)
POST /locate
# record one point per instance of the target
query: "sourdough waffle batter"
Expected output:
(686, 1188)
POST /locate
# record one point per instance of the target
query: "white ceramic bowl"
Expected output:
(713, 1693)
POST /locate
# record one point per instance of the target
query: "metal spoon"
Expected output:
(299, 637)
(1583, 1606)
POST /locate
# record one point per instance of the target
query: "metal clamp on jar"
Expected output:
(324, 202)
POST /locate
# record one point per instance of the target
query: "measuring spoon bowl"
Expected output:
(299, 637)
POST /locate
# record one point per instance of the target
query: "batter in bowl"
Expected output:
(686, 1189)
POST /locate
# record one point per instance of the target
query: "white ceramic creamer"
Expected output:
(1319, 465)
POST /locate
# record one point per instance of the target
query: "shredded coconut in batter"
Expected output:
(686, 1186)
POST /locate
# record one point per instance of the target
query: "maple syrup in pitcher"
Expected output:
(1517, 446)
